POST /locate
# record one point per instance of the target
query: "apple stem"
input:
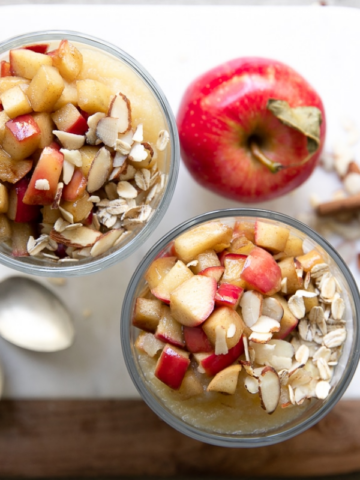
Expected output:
(258, 154)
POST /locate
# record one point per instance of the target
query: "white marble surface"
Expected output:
(176, 43)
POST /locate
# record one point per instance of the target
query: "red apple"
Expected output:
(172, 365)
(69, 119)
(76, 187)
(5, 69)
(213, 272)
(169, 330)
(234, 126)
(262, 272)
(196, 340)
(18, 210)
(22, 137)
(228, 295)
(212, 364)
(39, 48)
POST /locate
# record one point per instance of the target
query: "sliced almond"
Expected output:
(272, 308)
(306, 294)
(119, 160)
(60, 225)
(138, 153)
(92, 122)
(251, 384)
(322, 389)
(122, 147)
(34, 247)
(231, 330)
(263, 352)
(68, 171)
(282, 348)
(116, 172)
(78, 238)
(279, 363)
(139, 134)
(266, 325)
(260, 337)
(105, 242)
(251, 306)
(58, 195)
(162, 140)
(269, 389)
(67, 215)
(221, 347)
(246, 348)
(107, 131)
(42, 184)
(284, 285)
(70, 141)
(297, 306)
(72, 156)
(129, 173)
(120, 109)
(126, 190)
(99, 170)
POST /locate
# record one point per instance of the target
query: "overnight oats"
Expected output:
(85, 151)
(241, 326)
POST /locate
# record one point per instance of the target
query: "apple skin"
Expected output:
(225, 108)
(196, 340)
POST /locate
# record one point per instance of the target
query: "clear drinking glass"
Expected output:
(170, 164)
(313, 410)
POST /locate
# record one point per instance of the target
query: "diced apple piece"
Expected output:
(310, 302)
(288, 321)
(26, 63)
(251, 306)
(190, 386)
(18, 210)
(193, 300)
(213, 272)
(171, 366)
(224, 317)
(50, 215)
(99, 170)
(4, 199)
(15, 102)
(68, 60)
(226, 380)
(310, 259)
(158, 269)
(68, 95)
(196, 340)
(234, 264)
(288, 271)
(9, 82)
(38, 48)
(48, 168)
(79, 209)
(293, 247)
(69, 119)
(93, 96)
(175, 277)
(5, 228)
(5, 70)
(269, 389)
(46, 126)
(22, 137)
(228, 295)
(169, 330)
(147, 314)
(13, 170)
(270, 236)
(20, 237)
(241, 245)
(147, 343)
(197, 240)
(45, 89)
(76, 187)
(262, 272)
(206, 259)
(3, 119)
(212, 363)
(243, 228)
(88, 153)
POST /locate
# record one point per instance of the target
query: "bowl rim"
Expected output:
(224, 440)
(97, 264)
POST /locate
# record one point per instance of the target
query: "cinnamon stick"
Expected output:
(348, 204)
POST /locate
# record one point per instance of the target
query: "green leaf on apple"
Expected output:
(306, 120)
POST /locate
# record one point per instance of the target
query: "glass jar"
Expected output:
(169, 157)
(303, 418)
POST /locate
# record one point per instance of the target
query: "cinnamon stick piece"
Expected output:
(348, 204)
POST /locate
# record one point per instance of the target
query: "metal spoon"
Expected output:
(32, 317)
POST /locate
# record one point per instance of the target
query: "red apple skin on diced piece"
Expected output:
(213, 272)
(22, 136)
(172, 366)
(288, 322)
(76, 187)
(169, 330)
(18, 210)
(193, 301)
(262, 272)
(39, 48)
(5, 70)
(69, 119)
(196, 340)
(228, 295)
(213, 364)
(49, 167)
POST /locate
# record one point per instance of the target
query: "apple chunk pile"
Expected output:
(77, 173)
(242, 307)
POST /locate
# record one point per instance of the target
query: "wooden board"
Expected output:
(113, 438)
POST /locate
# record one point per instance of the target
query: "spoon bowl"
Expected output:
(33, 317)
